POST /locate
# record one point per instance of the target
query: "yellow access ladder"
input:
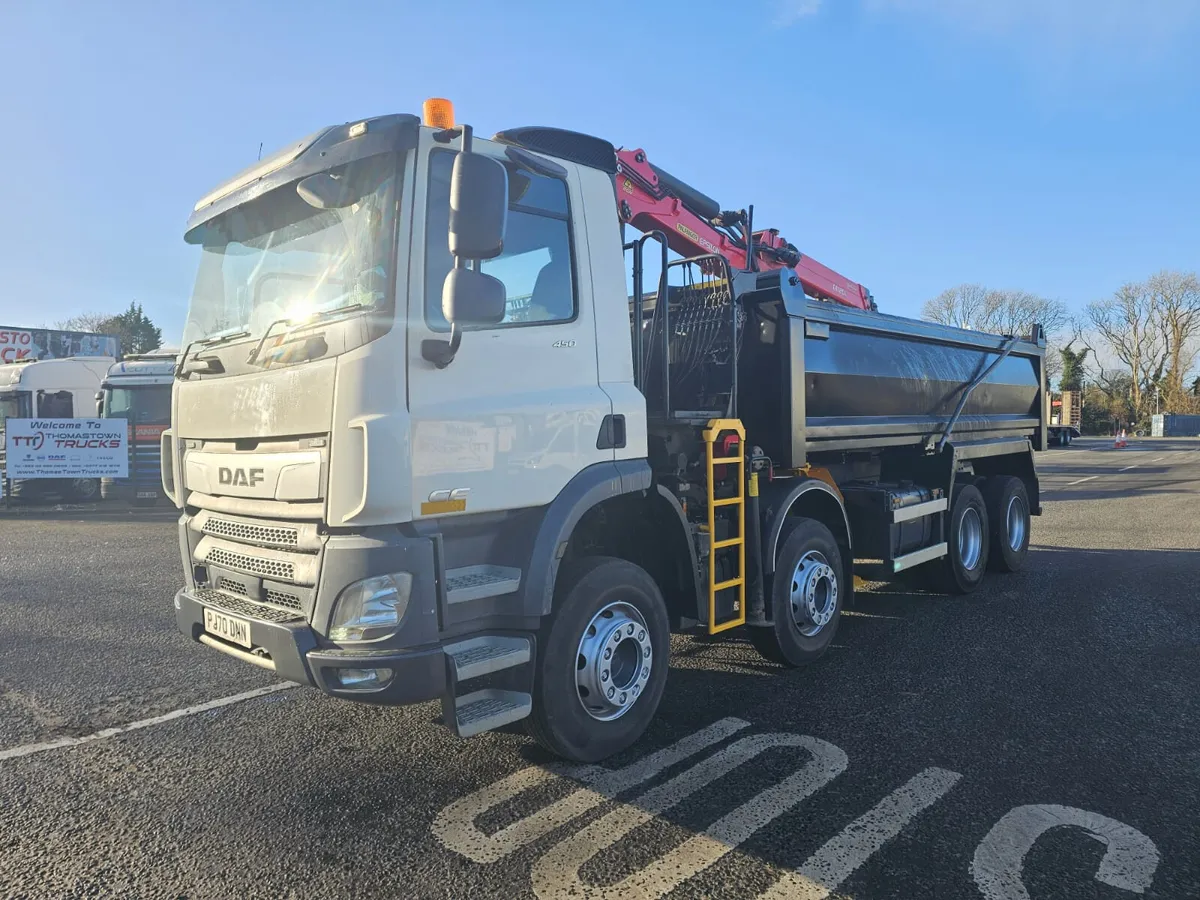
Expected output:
(717, 427)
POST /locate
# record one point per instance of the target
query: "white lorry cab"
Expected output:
(138, 389)
(53, 389)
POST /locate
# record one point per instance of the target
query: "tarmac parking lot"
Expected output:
(1037, 739)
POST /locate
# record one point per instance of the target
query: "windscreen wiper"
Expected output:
(211, 366)
(315, 317)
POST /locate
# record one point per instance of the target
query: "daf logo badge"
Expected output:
(240, 477)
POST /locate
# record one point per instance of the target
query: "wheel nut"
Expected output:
(642, 635)
(608, 653)
(604, 675)
(629, 630)
(611, 691)
(624, 697)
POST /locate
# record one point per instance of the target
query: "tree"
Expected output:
(1072, 368)
(88, 321)
(1127, 323)
(996, 311)
(1175, 297)
(135, 330)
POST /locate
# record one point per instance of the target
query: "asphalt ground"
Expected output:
(1036, 739)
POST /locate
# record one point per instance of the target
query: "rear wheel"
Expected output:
(602, 663)
(961, 570)
(1008, 522)
(806, 596)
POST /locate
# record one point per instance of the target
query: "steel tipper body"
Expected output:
(138, 389)
(55, 389)
(421, 453)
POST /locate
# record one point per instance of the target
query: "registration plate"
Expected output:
(228, 628)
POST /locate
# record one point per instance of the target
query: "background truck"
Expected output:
(1065, 419)
(138, 389)
(427, 447)
(58, 389)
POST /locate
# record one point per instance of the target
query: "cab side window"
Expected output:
(536, 265)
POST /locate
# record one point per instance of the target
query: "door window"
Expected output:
(536, 265)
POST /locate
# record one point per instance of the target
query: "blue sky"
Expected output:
(1047, 145)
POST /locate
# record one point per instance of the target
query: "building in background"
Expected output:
(25, 344)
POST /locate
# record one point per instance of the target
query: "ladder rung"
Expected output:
(728, 501)
(732, 542)
(732, 582)
(727, 461)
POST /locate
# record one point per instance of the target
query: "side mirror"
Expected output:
(478, 207)
(473, 298)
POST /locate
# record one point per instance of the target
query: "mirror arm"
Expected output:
(442, 353)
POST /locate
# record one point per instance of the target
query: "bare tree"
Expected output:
(996, 311)
(960, 306)
(1127, 324)
(1176, 300)
(88, 321)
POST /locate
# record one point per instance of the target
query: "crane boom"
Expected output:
(651, 199)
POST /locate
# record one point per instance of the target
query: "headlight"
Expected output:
(370, 609)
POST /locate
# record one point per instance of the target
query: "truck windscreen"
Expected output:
(278, 257)
(144, 405)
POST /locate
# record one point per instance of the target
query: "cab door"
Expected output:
(519, 411)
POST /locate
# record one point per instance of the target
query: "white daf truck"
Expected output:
(53, 389)
(426, 446)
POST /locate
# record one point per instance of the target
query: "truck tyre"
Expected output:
(961, 570)
(805, 597)
(83, 490)
(602, 663)
(1008, 522)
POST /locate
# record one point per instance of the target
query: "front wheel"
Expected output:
(806, 597)
(84, 490)
(603, 660)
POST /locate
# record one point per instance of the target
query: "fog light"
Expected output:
(370, 609)
(363, 679)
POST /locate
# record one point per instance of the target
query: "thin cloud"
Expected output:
(789, 12)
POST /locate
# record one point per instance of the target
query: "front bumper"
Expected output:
(295, 654)
(287, 642)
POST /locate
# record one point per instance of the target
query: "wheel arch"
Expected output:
(611, 510)
(812, 498)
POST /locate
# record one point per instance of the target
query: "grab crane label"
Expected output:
(66, 448)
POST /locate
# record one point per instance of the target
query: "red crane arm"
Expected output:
(650, 199)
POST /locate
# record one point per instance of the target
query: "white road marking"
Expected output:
(1130, 858)
(455, 825)
(30, 749)
(838, 859)
(1157, 458)
(1127, 468)
(1081, 480)
(555, 875)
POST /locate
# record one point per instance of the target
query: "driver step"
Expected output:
(485, 710)
(486, 654)
(480, 582)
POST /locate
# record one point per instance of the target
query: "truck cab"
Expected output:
(56, 389)
(138, 389)
(426, 446)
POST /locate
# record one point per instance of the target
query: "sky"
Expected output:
(1046, 145)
